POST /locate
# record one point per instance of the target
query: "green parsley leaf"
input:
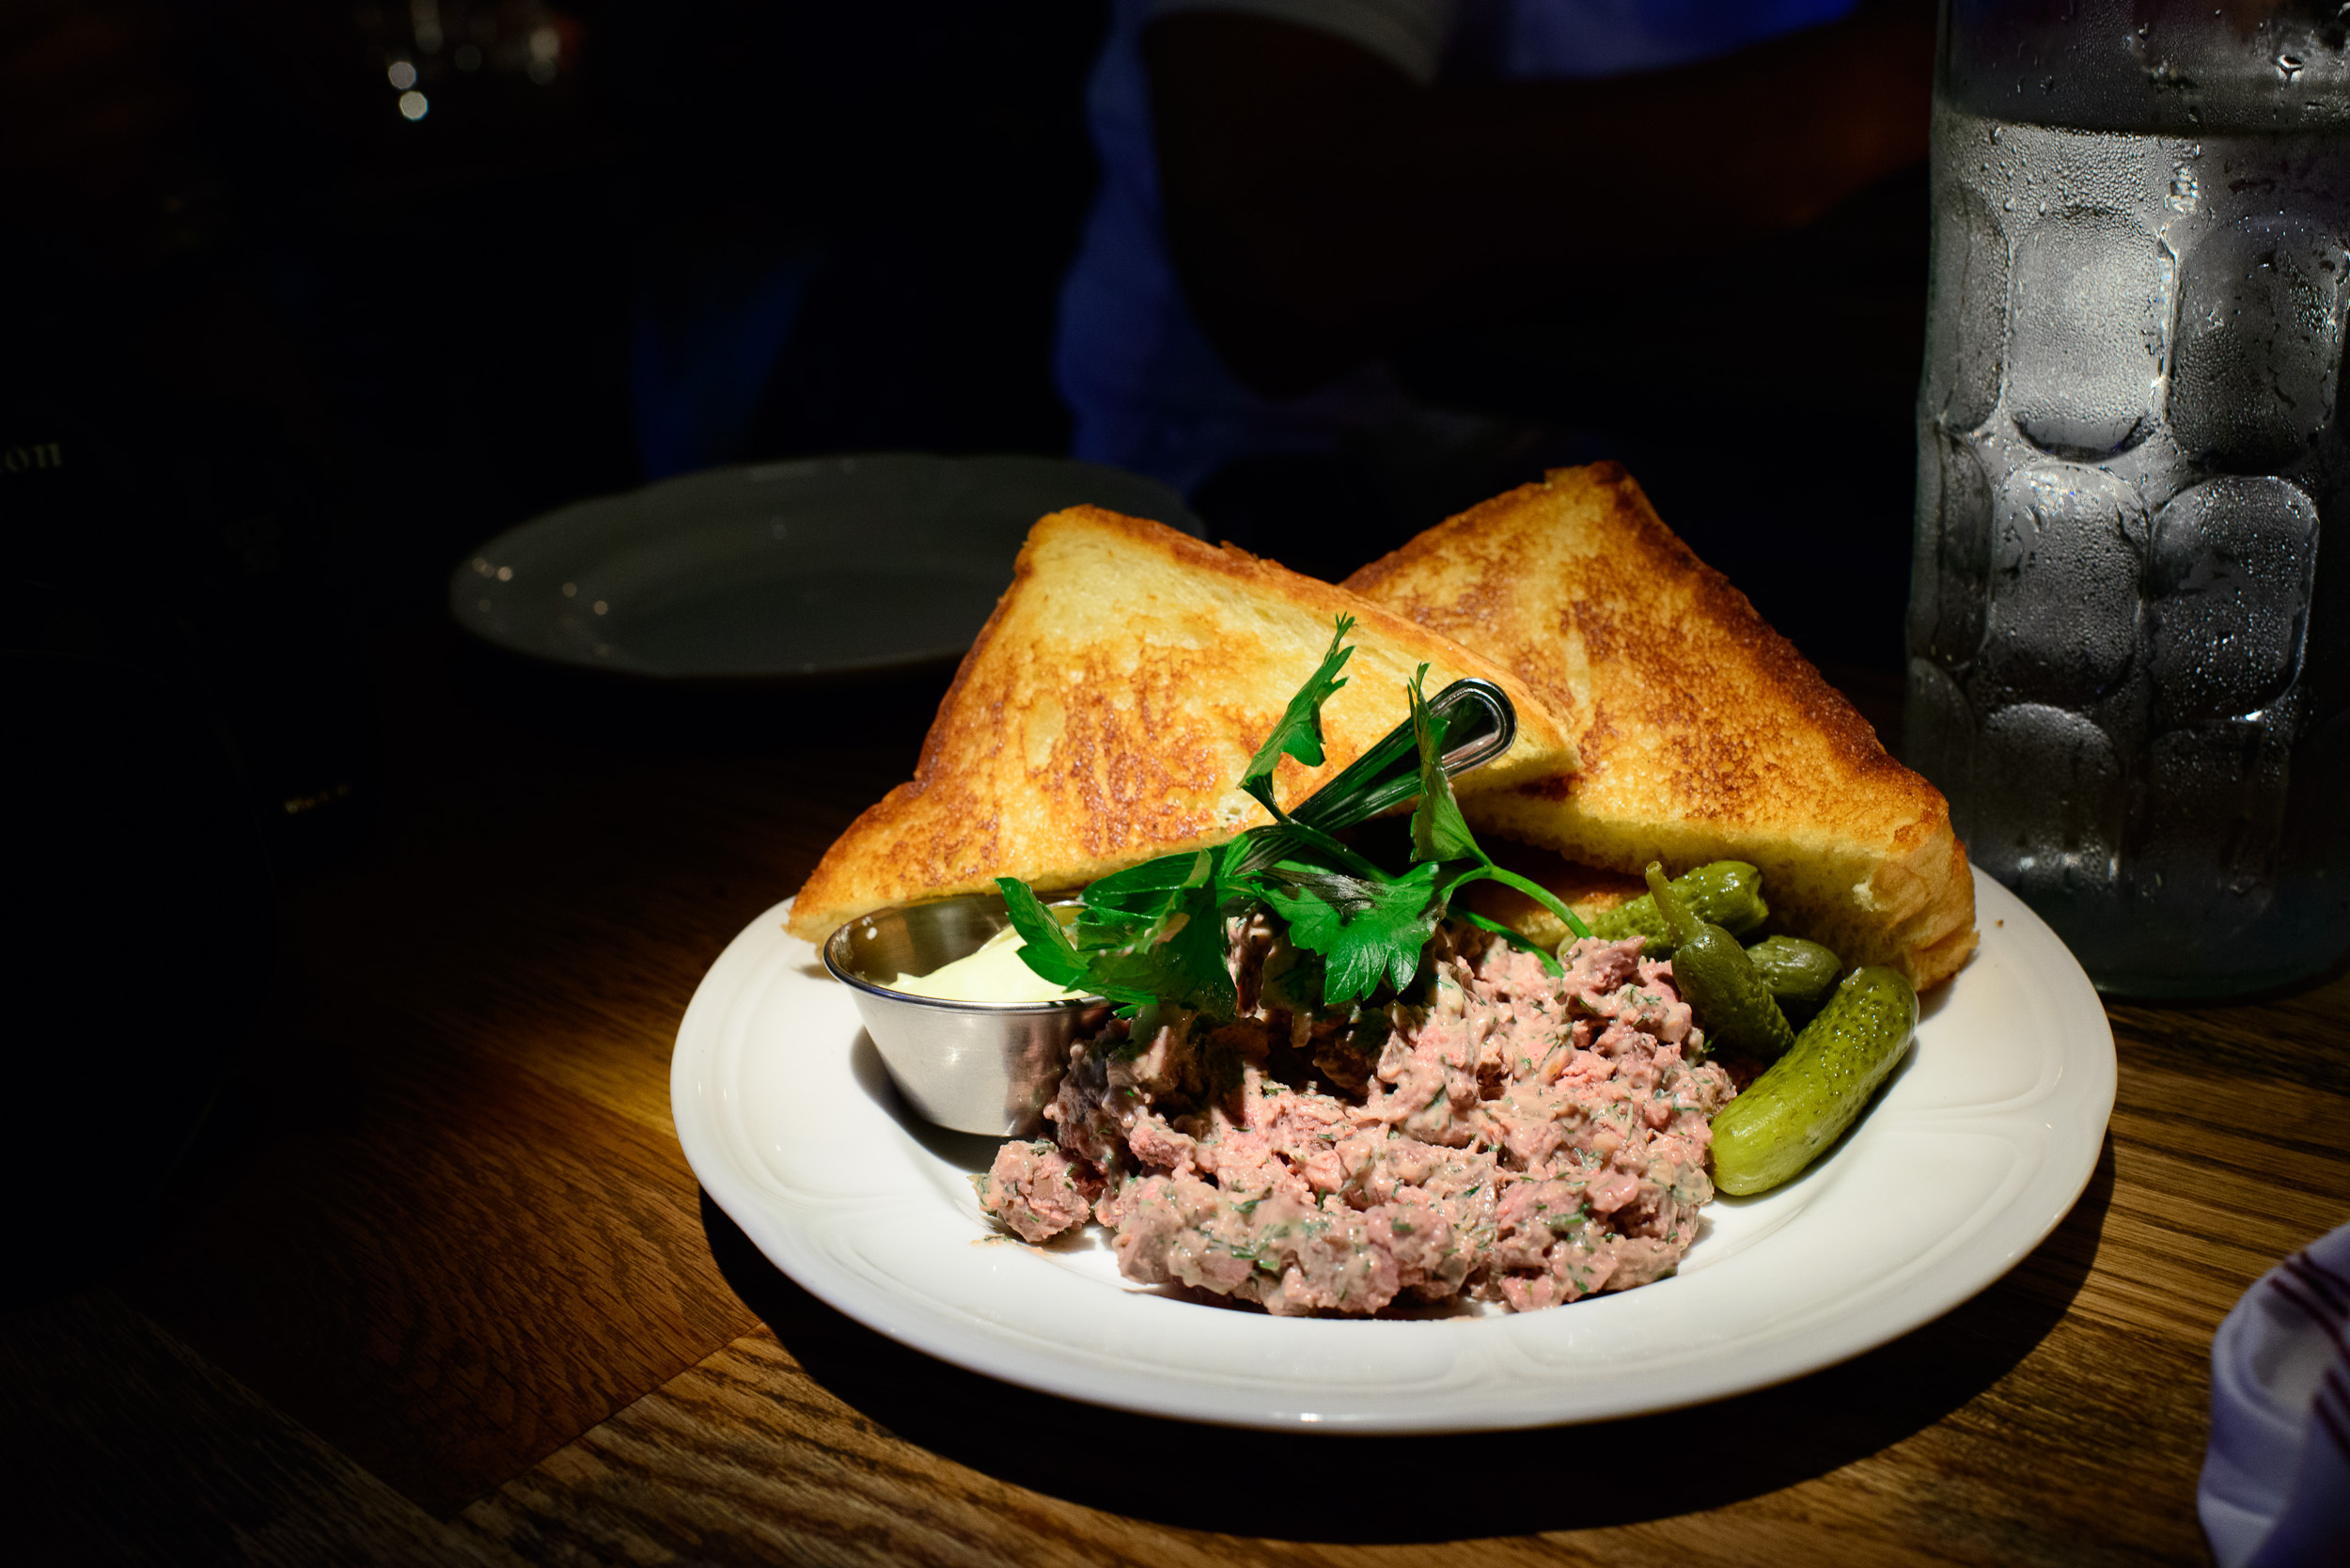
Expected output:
(1143, 890)
(1156, 931)
(1299, 732)
(1175, 953)
(1386, 775)
(1540, 894)
(1044, 946)
(1367, 931)
(1514, 937)
(1439, 832)
(1292, 841)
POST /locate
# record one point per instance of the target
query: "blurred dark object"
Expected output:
(187, 532)
(625, 714)
(1763, 397)
(626, 240)
(97, 125)
(435, 266)
(171, 499)
(806, 571)
(1408, 284)
(1769, 433)
(488, 53)
(850, 224)
(143, 939)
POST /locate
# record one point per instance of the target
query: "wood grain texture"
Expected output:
(462, 1231)
(478, 1269)
(125, 1447)
(444, 1290)
(1997, 1435)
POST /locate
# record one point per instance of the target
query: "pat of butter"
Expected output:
(995, 973)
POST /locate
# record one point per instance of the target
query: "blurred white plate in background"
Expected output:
(823, 566)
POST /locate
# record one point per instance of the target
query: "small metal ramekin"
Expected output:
(976, 1067)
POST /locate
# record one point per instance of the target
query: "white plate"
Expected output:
(819, 567)
(1978, 1146)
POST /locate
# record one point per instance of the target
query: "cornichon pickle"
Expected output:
(1814, 1093)
(1799, 973)
(1714, 975)
(1727, 893)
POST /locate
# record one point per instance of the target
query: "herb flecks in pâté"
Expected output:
(1156, 932)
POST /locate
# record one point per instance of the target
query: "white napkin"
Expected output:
(2276, 1486)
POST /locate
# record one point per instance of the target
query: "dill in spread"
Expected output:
(1494, 1133)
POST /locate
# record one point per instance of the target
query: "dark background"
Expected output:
(341, 346)
(277, 356)
(280, 353)
(307, 301)
(263, 291)
(277, 353)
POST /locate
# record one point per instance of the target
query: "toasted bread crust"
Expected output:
(1106, 711)
(1703, 734)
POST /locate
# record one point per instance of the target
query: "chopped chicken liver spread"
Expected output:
(1504, 1136)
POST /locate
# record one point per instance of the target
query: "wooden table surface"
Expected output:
(439, 1286)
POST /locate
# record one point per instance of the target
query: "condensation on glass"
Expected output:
(2126, 630)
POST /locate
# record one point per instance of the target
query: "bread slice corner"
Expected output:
(1702, 733)
(1106, 711)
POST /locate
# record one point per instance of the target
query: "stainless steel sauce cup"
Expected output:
(976, 1067)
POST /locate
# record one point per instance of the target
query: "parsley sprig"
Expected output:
(1155, 933)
